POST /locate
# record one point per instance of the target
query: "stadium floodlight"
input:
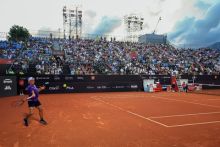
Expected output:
(134, 24)
(160, 18)
(72, 21)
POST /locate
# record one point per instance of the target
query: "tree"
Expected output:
(18, 33)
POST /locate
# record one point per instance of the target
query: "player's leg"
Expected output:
(40, 109)
(184, 89)
(28, 116)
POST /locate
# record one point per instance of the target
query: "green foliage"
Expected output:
(18, 33)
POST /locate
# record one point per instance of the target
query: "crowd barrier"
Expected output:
(13, 85)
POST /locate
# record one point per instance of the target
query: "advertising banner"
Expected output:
(71, 84)
(103, 83)
(8, 86)
(148, 85)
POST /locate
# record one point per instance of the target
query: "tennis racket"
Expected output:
(19, 102)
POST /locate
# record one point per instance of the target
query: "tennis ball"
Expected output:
(64, 85)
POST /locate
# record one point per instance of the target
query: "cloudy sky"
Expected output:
(185, 21)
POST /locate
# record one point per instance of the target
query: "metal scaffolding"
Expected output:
(134, 24)
(72, 21)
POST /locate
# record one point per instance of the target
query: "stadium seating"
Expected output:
(87, 57)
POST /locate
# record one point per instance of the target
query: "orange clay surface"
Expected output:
(129, 119)
(212, 92)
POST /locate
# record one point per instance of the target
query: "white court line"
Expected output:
(186, 102)
(143, 96)
(192, 114)
(164, 125)
(125, 96)
(130, 112)
(213, 99)
(196, 98)
(194, 124)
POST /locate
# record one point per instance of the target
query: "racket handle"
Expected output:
(29, 97)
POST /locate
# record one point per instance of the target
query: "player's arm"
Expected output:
(32, 95)
(41, 88)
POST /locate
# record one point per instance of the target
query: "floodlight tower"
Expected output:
(160, 18)
(134, 24)
(72, 21)
(65, 21)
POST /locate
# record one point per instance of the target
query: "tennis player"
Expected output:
(33, 101)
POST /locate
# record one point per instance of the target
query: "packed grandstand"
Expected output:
(88, 57)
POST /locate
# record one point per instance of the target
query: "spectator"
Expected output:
(89, 57)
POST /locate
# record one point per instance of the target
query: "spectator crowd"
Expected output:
(88, 57)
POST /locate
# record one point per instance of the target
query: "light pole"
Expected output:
(134, 24)
(72, 21)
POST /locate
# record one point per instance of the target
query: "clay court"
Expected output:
(128, 119)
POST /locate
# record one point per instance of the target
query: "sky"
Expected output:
(184, 21)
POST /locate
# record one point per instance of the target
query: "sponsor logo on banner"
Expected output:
(90, 87)
(7, 88)
(54, 88)
(8, 85)
(158, 77)
(101, 87)
(119, 87)
(7, 81)
(56, 78)
(42, 78)
(134, 86)
(80, 78)
(47, 83)
(68, 78)
(70, 88)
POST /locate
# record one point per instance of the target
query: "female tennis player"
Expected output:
(33, 101)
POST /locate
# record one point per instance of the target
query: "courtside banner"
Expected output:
(148, 85)
(8, 86)
(72, 84)
(163, 79)
(104, 83)
(203, 79)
